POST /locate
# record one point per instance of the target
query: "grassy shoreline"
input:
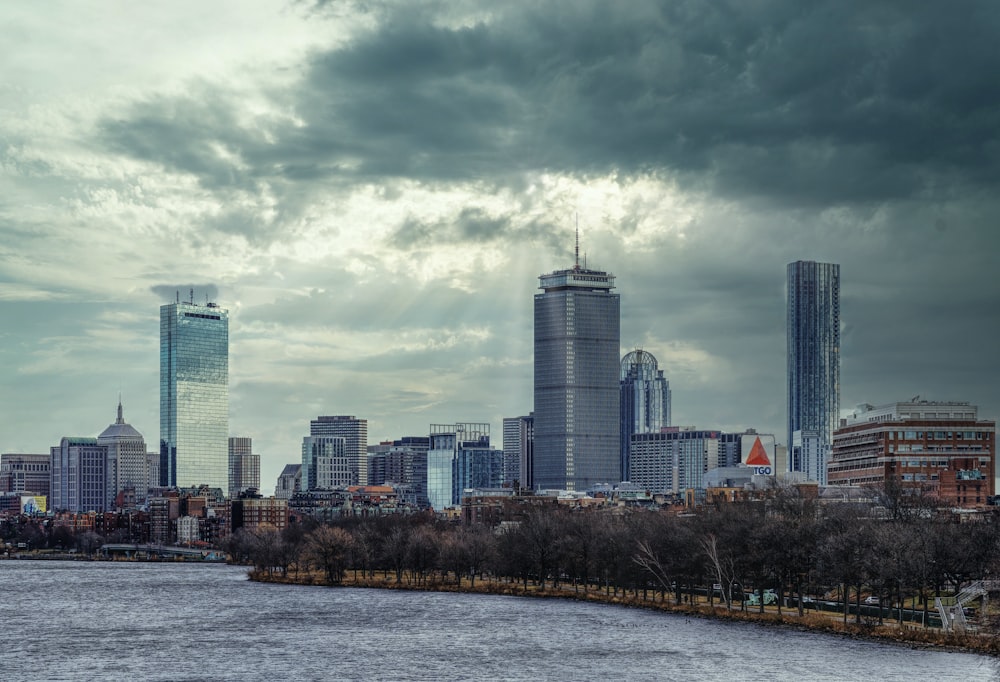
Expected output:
(912, 636)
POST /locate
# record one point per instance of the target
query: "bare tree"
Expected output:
(328, 549)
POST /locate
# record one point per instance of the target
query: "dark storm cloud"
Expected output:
(184, 133)
(474, 225)
(471, 224)
(804, 103)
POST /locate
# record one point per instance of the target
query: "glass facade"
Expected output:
(645, 400)
(813, 329)
(460, 457)
(577, 346)
(194, 395)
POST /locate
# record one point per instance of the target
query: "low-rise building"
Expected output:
(938, 448)
(258, 512)
(289, 482)
(25, 473)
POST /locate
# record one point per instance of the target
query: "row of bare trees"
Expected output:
(787, 544)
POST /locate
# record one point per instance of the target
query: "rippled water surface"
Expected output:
(133, 621)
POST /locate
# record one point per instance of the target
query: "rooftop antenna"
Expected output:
(577, 266)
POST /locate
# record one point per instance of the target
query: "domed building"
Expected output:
(128, 465)
(645, 401)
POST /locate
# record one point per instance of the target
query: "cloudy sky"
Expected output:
(372, 189)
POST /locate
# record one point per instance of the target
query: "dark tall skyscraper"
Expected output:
(645, 400)
(194, 395)
(813, 328)
(577, 345)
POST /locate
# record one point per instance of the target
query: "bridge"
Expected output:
(155, 552)
(952, 609)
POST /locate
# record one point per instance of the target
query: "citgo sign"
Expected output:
(758, 458)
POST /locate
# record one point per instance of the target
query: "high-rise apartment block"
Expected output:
(354, 431)
(577, 346)
(813, 333)
(244, 466)
(645, 400)
(673, 459)
(194, 395)
(942, 449)
(519, 450)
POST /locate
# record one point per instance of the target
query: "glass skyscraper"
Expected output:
(577, 346)
(194, 395)
(813, 329)
(460, 456)
(645, 400)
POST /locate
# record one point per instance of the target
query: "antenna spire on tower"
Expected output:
(577, 266)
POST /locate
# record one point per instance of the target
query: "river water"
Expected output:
(156, 621)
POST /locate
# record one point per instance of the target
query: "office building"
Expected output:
(325, 463)
(813, 335)
(153, 466)
(25, 473)
(519, 451)
(460, 457)
(354, 431)
(244, 466)
(941, 449)
(402, 464)
(79, 476)
(576, 392)
(194, 395)
(645, 400)
(128, 464)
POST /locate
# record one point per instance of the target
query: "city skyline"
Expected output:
(372, 192)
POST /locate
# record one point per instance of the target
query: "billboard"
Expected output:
(33, 504)
(757, 452)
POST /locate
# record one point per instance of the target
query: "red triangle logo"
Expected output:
(758, 455)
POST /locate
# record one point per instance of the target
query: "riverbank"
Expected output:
(890, 632)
